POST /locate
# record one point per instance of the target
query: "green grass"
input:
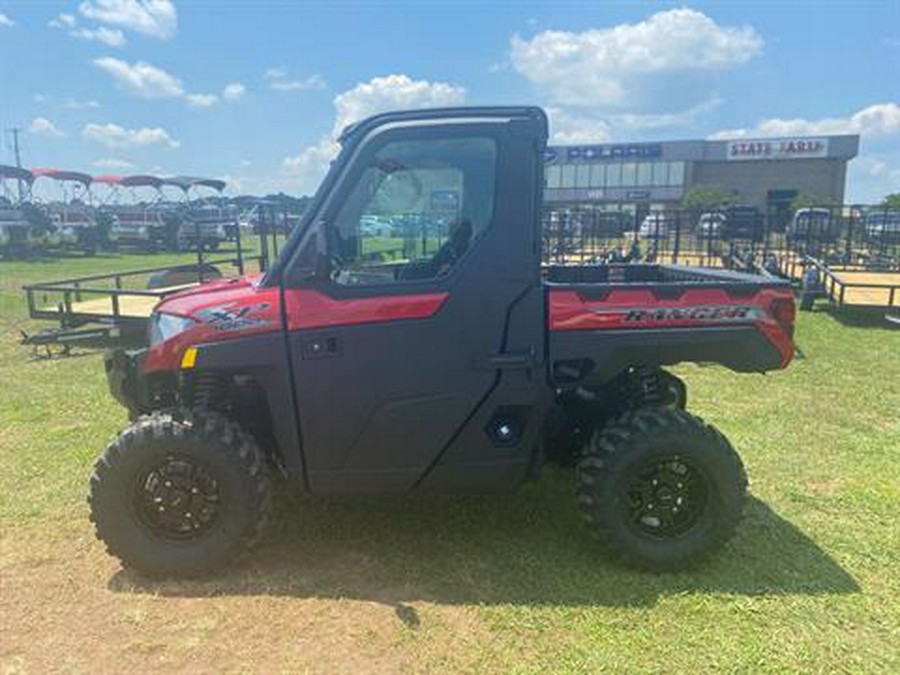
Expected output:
(507, 583)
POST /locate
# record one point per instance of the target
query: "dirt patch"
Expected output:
(66, 606)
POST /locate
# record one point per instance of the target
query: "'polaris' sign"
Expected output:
(778, 148)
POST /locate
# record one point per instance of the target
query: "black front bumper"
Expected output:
(124, 375)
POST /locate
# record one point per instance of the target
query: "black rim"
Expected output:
(178, 499)
(665, 497)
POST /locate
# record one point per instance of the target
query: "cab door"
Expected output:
(416, 349)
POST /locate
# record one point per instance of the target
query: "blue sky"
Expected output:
(253, 91)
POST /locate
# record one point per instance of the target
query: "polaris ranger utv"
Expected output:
(434, 354)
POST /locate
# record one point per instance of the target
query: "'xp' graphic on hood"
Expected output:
(238, 318)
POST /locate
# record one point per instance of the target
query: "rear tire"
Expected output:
(661, 489)
(180, 496)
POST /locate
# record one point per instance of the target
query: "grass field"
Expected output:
(505, 584)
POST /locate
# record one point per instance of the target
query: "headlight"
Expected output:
(166, 326)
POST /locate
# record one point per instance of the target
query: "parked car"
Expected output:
(743, 222)
(656, 226)
(375, 226)
(711, 225)
(883, 226)
(818, 225)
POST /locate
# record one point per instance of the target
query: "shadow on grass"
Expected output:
(527, 547)
(863, 317)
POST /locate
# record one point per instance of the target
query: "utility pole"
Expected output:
(15, 133)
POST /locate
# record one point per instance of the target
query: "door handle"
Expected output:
(518, 361)
(320, 347)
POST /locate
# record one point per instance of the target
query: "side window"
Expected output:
(416, 209)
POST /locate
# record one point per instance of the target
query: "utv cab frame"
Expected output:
(363, 361)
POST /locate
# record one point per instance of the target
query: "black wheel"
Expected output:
(175, 496)
(661, 489)
(673, 390)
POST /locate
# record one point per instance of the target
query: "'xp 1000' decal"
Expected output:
(670, 315)
(237, 318)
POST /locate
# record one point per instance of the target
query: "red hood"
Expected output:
(213, 293)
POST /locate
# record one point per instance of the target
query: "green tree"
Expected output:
(707, 197)
(892, 200)
(808, 200)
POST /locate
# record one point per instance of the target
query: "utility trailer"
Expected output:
(112, 311)
(355, 364)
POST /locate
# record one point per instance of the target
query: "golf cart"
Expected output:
(465, 365)
(133, 210)
(67, 205)
(201, 220)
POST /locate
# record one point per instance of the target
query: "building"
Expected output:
(767, 173)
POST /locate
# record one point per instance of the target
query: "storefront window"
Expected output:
(676, 173)
(645, 174)
(598, 175)
(582, 175)
(629, 174)
(568, 176)
(660, 173)
(613, 175)
(552, 176)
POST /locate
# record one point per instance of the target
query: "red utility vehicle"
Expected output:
(432, 353)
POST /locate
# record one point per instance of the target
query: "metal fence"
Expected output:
(734, 237)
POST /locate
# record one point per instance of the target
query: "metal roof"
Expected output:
(15, 173)
(60, 174)
(187, 182)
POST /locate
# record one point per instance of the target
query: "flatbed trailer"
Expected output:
(857, 286)
(106, 311)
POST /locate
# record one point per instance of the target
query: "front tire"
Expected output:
(180, 496)
(661, 489)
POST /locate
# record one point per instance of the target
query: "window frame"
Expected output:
(317, 234)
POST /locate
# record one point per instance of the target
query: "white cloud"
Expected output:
(310, 164)
(112, 163)
(566, 128)
(141, 78)
(879, 119)
(234, 91)
(111, 37)
(75, 104)
(156, 18)
(115, 136)
(5, 21)
(392, 92)
(633, 65)
(679, 118)
(870, 178)
(149, 81)
(41, 126)
(279, 80)
(63, 21)
(201, 100)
